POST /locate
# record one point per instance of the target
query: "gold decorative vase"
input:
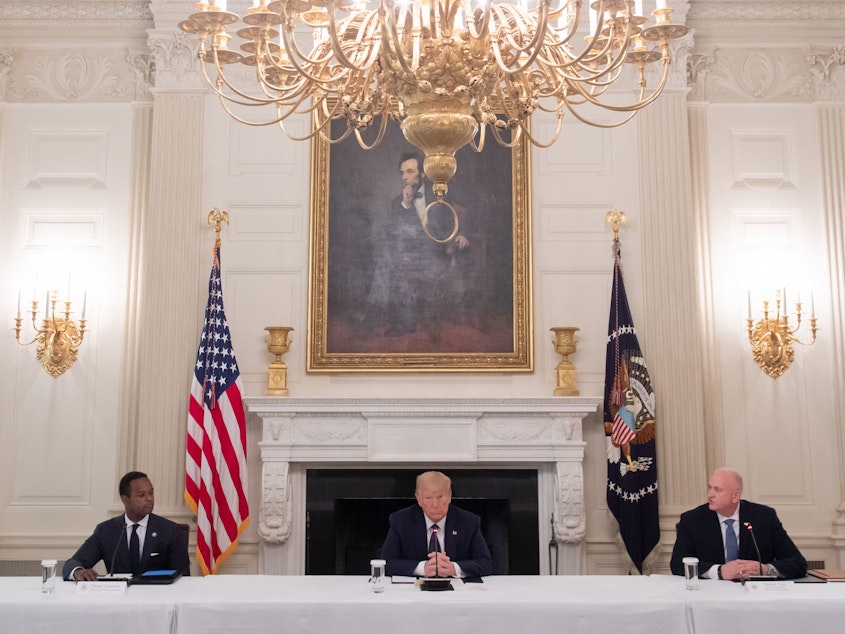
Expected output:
(565, 345)
(278, 344)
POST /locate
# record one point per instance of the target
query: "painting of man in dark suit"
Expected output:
(406, 277)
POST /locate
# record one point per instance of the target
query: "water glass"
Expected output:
(48, 575)
(377, 574)
(691, 572)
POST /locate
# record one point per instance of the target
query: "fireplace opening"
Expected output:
(347, 514)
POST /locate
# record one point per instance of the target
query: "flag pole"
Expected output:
(630, 426)
(216, 446)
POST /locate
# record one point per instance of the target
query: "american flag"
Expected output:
(629, 426)
(215, 465)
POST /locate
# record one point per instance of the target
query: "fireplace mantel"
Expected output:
(298, 433)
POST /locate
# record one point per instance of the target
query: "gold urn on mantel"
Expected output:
(565, 345)
(278, 344)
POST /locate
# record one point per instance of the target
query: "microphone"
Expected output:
(111, 575)
(434, 531)
(756, 547)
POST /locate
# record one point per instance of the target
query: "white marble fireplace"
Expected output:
(302, 433)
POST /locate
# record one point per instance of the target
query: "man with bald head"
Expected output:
(432, 538)
(719, 533)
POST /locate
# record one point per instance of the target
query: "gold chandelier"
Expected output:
(448, 70)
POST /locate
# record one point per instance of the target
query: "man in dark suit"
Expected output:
(135, 542)
(455, 548)
(703, 532)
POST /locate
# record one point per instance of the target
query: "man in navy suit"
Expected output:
(455, 548)
(703, 533)
(154, 543)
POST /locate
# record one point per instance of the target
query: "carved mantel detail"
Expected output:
(545, 432)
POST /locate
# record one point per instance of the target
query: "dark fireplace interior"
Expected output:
(347, 515)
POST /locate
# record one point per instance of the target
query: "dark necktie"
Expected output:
(135, 551)
(731, 546)
(434, 544)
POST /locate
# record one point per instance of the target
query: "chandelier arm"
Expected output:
(596, 124)
(523, 126)
(390, 35)
(640, 104)
(510, 16)
(483, 20)
(482, 136)
(225, 99)
(516, 135)
(318, 130)
(222, 79)
(247, 99)
(295, 55)
(340, 55)
(572, 26)
(379, 136)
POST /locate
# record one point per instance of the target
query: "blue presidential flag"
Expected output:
(630, 431)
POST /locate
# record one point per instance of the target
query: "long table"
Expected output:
(500, 604)
(258, 603)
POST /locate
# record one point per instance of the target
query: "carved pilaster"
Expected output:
(176, 64)
(828, 73)
(274, 523)
(570, 525)
(832, 147)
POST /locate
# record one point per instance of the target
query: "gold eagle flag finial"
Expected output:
(615, 218)
(217, 217)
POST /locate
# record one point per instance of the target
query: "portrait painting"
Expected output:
(398, 283)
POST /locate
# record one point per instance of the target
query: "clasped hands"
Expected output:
(439, 565)
(742, 569)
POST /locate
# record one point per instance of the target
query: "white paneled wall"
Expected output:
(113, 184)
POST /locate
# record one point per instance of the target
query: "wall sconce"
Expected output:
(58, 337)
(772, 336)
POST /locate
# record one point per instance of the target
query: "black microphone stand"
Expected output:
(760, 576)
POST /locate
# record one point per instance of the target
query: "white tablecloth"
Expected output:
(781, 607)
(501, 604)
(25, 610)
(516, 605)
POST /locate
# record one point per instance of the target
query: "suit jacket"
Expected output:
(699, 535)
(164, 548)
(406, 544)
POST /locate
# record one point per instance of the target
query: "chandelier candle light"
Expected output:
(772, 336)
(58, 337)
(448, 70)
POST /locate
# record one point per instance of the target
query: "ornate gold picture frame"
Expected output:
(384, 298)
